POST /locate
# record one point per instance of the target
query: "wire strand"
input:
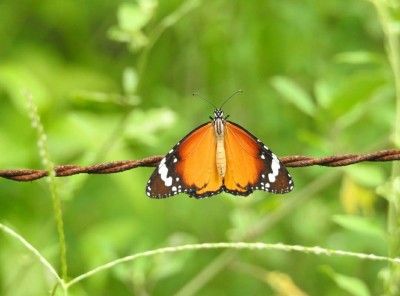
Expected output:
(121, 166)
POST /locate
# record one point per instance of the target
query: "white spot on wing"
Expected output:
(163, 171)
(271, 177)
(275, 166)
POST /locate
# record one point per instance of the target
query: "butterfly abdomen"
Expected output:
(220, 156)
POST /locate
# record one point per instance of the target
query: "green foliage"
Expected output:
(294, 94)
(114, 80)
(351, 285)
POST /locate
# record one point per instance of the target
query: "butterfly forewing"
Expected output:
(251, 165)
(189, 167)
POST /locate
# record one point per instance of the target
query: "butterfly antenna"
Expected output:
(196, 94)
(232, 95)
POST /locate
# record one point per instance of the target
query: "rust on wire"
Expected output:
(120, 166)
(340, 160)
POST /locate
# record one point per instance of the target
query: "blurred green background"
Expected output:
(113, 80)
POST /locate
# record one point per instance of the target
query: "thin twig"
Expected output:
(233, 246)
(49, 169)
(120, 166)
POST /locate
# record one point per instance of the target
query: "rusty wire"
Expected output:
(120, 166)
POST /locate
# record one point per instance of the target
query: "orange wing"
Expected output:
(189, 167)
(251, 165)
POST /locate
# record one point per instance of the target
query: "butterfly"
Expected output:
(218, 156)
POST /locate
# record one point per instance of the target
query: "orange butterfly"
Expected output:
(219, 156)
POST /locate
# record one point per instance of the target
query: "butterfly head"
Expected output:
(218, 113)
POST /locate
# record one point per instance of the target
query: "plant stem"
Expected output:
(393, 50)
(45, 157)
(233, 246)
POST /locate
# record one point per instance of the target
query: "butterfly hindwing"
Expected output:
(251, 165)
(189, 167)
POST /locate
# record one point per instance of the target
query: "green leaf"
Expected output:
(360, 225)
(390, 190)
(366, 174)
(130, 80)
(355, 89)
(323, 93)
(131, 17)
(359, 57)
(142, 125)
(294, 94)
(351, 285)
